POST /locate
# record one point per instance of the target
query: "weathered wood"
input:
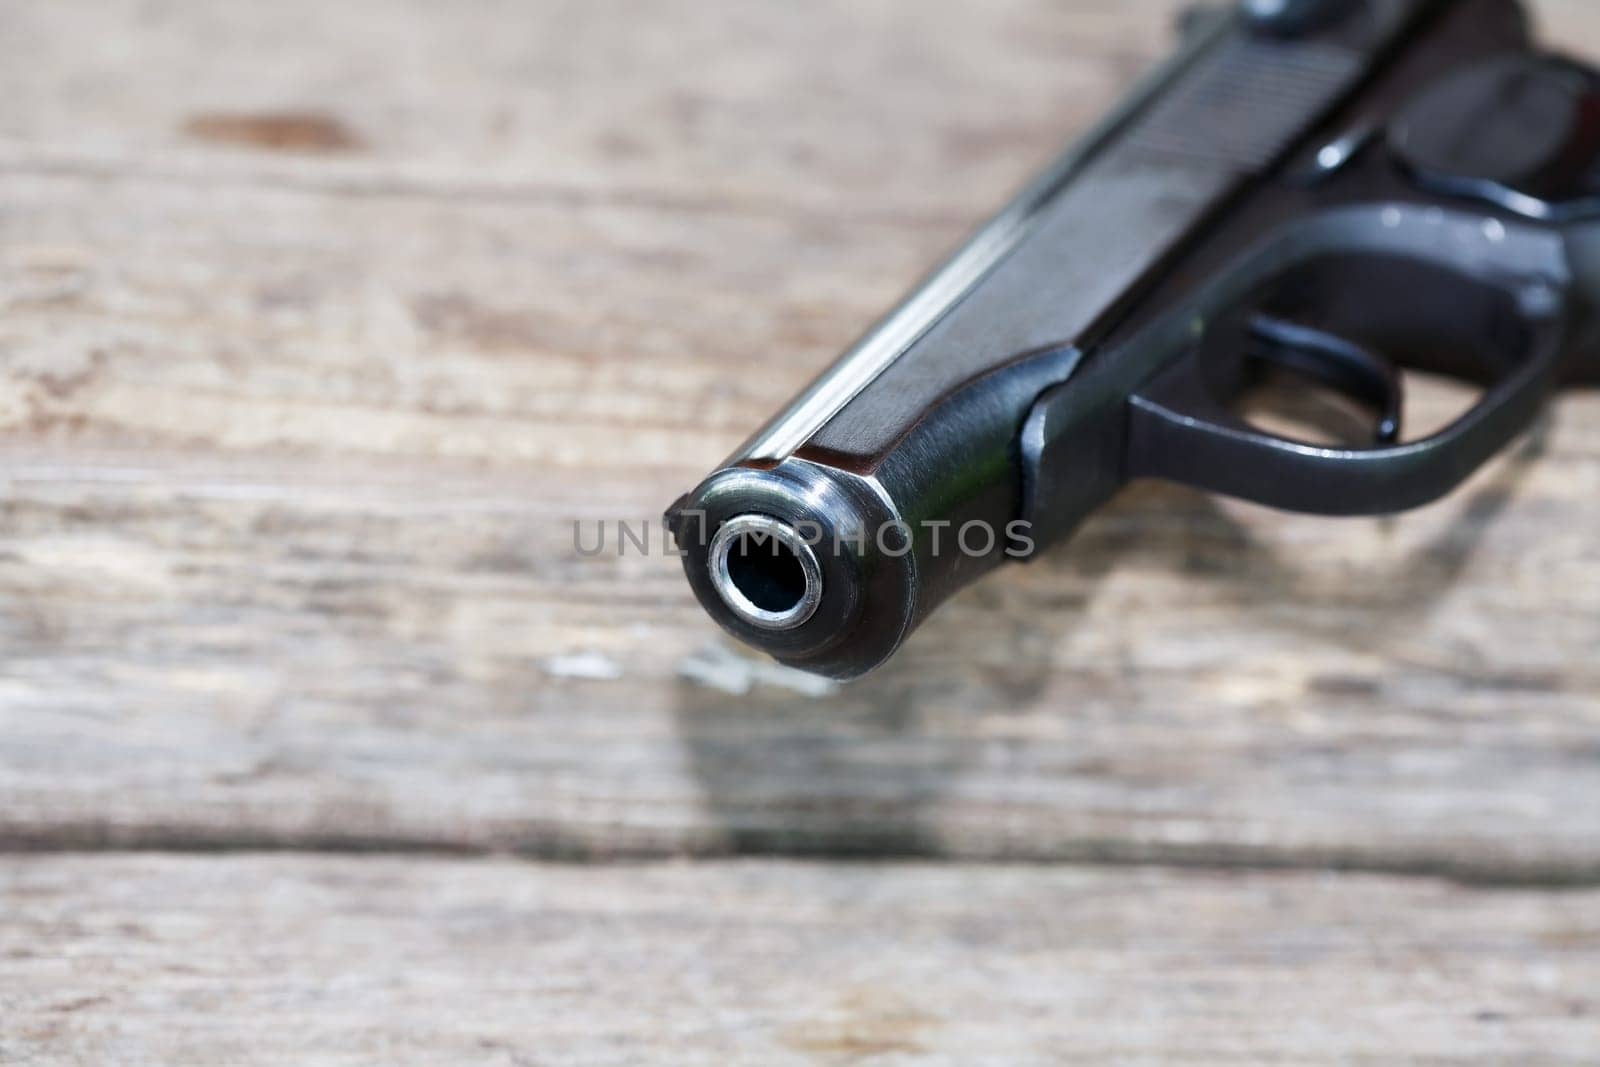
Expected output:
(177, 961)
(324, 323)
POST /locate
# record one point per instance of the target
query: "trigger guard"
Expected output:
(1144, 408)
(1180, 431)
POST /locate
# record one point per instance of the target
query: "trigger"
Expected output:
(1343, 366)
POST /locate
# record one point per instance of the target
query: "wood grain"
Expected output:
(296, 422)
(323, 961)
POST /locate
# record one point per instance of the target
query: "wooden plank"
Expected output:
(316, 343)
(171, 960)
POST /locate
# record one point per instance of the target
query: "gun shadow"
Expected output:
(854, 773)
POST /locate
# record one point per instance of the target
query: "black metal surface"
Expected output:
(1520, 132)
(1305, 198)
(1291, 18)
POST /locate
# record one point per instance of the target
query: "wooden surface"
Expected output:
(321, 326)
(178, 960)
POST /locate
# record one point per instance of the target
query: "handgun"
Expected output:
(1323, 193)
